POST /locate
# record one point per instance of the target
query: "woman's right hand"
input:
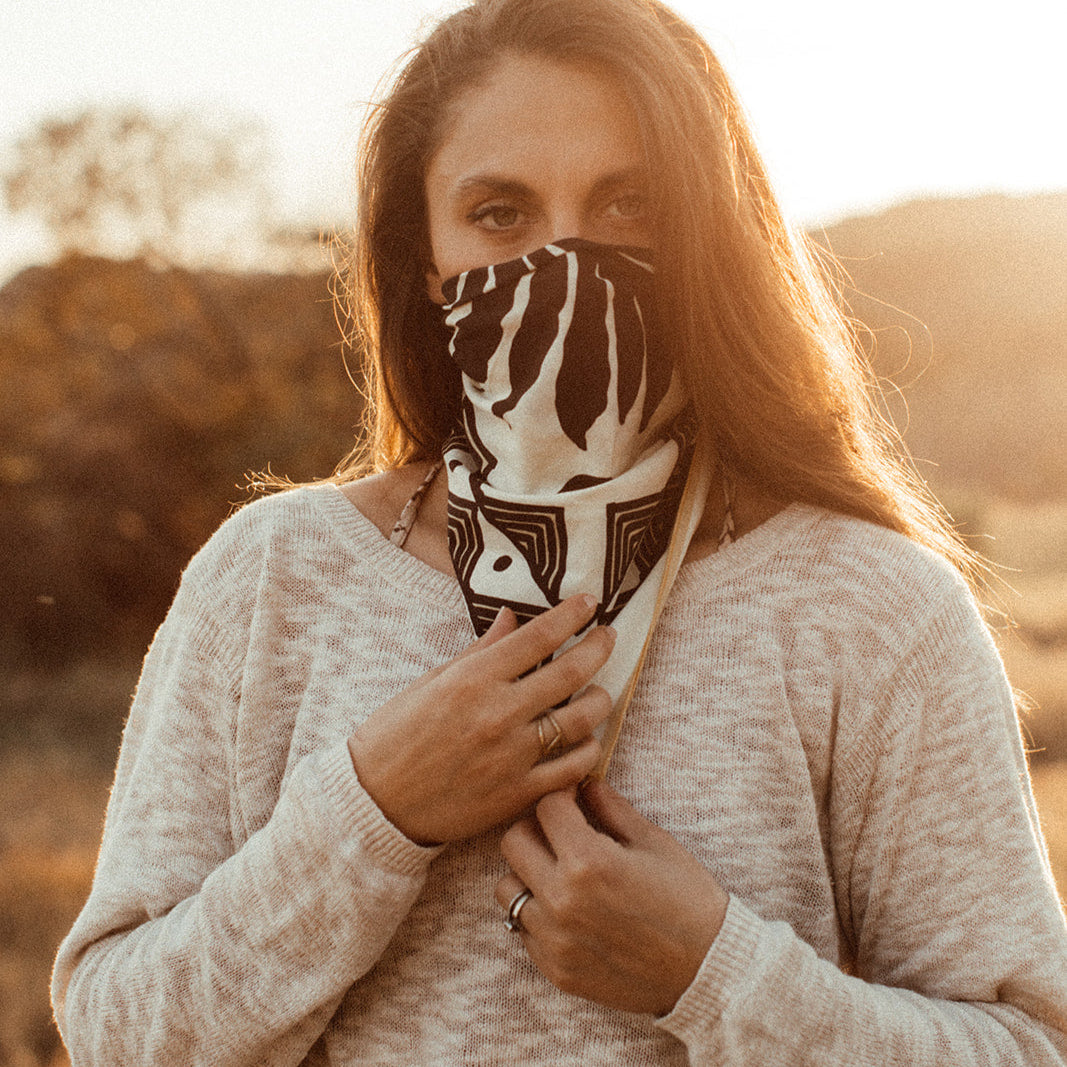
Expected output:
(459, 751)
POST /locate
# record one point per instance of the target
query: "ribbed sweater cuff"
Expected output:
(720, 978)
(381, 839)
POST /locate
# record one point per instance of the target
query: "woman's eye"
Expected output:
(631, 206)
(496, 216)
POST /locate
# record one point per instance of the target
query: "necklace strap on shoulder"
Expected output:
(399, 533)
(727, 533)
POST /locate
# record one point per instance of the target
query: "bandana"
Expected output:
(566, 470)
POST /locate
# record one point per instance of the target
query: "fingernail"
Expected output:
(611, 631)
(589, 601)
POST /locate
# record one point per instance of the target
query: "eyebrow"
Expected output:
(501, 186)
(491, 183)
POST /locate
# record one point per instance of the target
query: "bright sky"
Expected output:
(856, 103)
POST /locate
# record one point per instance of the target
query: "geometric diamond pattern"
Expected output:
(540, 534)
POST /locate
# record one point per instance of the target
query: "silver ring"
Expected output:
(513, 923)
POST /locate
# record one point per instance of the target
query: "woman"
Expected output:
(816, 843)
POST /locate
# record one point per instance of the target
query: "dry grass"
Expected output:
(1028, 544)
(1050, 788)
(1040, 676)
(51, 810)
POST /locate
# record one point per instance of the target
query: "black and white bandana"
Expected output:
(565, 473)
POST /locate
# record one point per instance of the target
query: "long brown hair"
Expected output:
(775, 373)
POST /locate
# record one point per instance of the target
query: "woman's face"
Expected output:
(540, 151)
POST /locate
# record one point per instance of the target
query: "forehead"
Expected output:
(534, 114)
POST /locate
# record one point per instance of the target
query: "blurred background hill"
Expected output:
(136, 398)
(967, 299)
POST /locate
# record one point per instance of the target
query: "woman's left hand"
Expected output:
(621, 913)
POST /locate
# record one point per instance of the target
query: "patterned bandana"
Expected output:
(565, 473)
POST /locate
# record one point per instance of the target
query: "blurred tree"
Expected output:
(133, 405)
(120, 182)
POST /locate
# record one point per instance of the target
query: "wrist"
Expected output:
(373, 776)
(706, 921)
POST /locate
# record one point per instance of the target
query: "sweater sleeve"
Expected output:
(944, 894)
(190, 949)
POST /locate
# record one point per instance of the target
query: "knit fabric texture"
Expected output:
(822, 720)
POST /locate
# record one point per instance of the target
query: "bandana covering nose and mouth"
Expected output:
(565, 473)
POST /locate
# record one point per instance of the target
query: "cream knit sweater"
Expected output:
(822, 719)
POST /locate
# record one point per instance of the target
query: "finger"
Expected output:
(527, 854)
(568, 673)
(577, 720)
(614, 815)
(563, 822)
(504, 624)
(539, 638)
(563, 772)
(507, 888)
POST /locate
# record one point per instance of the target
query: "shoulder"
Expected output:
(282, 518)
(809, 553)
(909, 618)
(868, 589)
(276, 541)
(308, 537)
(911, 657)
(849, 553)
